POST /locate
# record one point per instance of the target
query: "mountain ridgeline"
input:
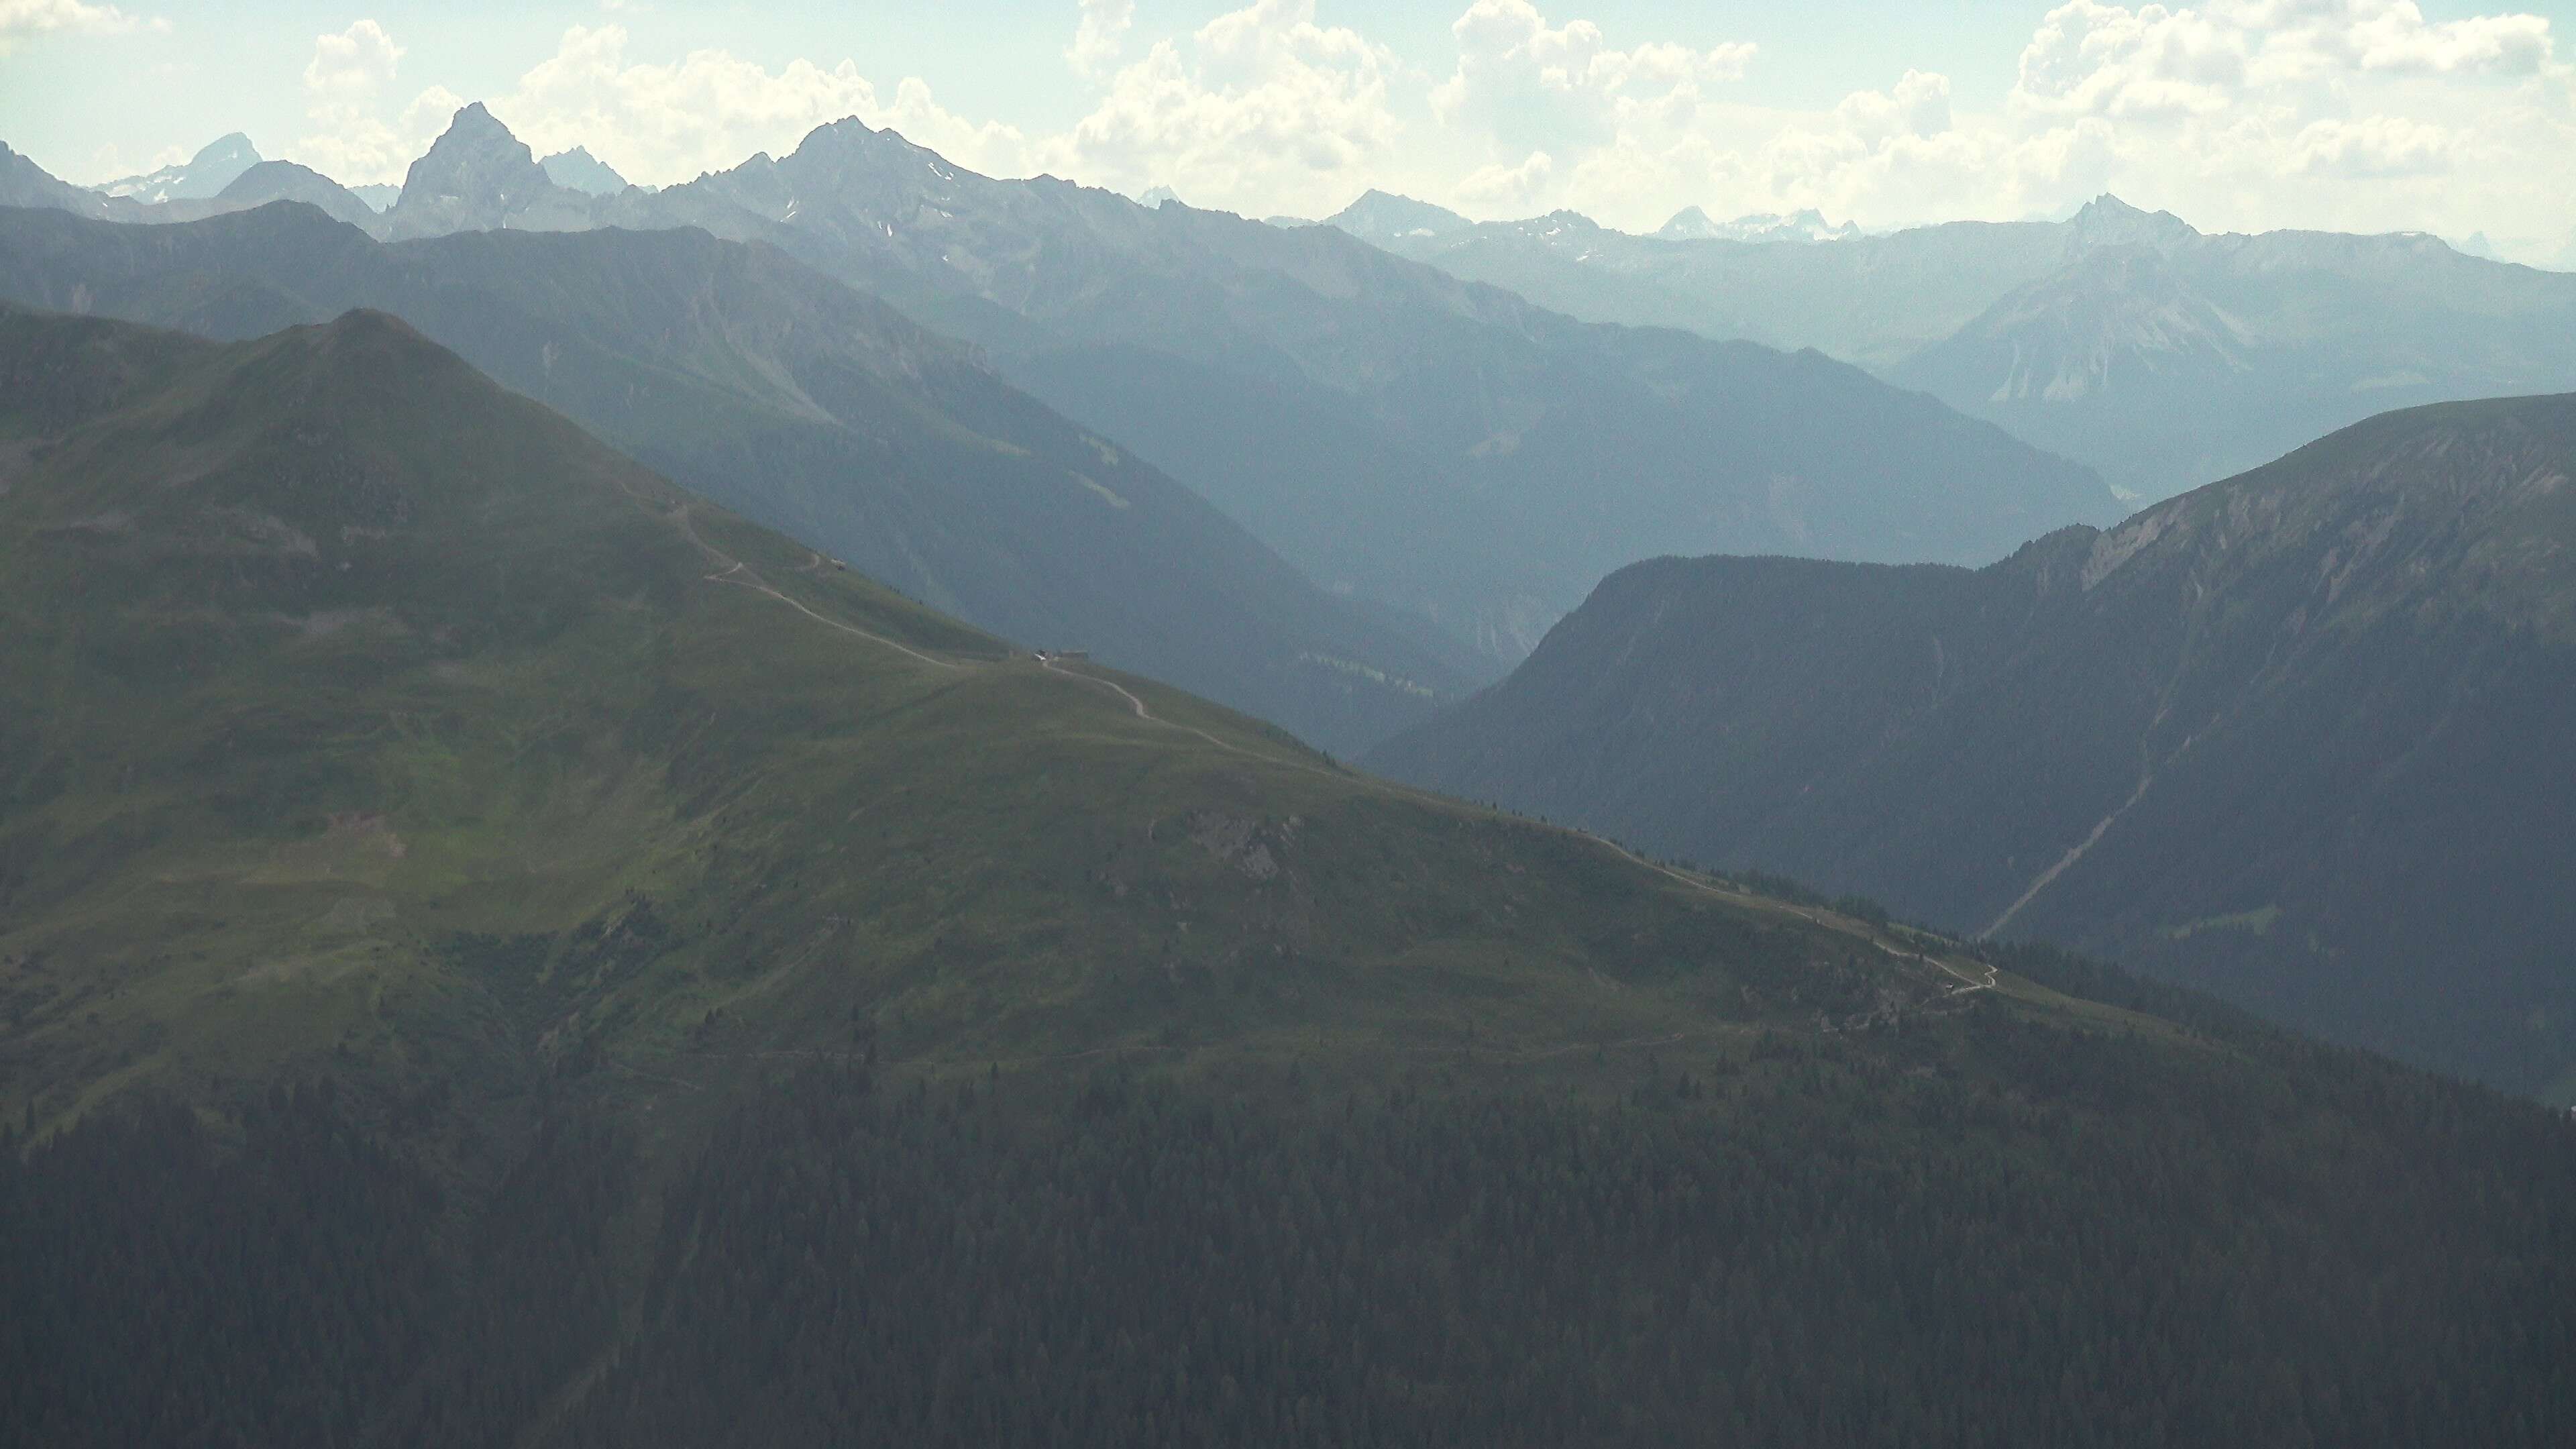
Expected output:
(816, 410)
(2156, 354)
(2295, 737)
(494, 947)
(1446, 450)
(2125, 339)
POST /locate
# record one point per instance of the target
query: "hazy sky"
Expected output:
(2237, 114)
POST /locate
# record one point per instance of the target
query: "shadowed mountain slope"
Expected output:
(285, 181)
(2288, 737)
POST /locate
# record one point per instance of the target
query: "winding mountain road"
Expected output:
(1968, 980)
(736, 572)
(743, 574)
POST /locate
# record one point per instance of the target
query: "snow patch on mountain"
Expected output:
(203, 175)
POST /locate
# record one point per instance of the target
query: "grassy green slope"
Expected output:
(383, 722)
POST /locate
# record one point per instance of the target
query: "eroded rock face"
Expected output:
(1242, 842)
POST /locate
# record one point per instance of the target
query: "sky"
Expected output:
(2355, 115)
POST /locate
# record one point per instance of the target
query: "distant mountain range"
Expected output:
(1442, 448)
(2196, 357)
(2298, 738)
(781, 393)
(1448, 451)
(2123, 339)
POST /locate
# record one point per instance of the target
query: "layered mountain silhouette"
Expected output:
(2169, 356)
(2292, 737)
(2319, 329)
(1456, 450)
(781, 393)
(1448, 451)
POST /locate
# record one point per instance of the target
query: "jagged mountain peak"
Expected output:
(475, 141)
(850, 148)
(2106, 220)
(475, 118)
(578, 170)
(229, 147)
(852, 135)
(479, 176)
(1690, 221)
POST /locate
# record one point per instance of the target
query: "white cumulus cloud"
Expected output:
(2375, 147)
(1261, 109)
(1509, 189)
(1528, 82)
(1100, 35)
(357, 62)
